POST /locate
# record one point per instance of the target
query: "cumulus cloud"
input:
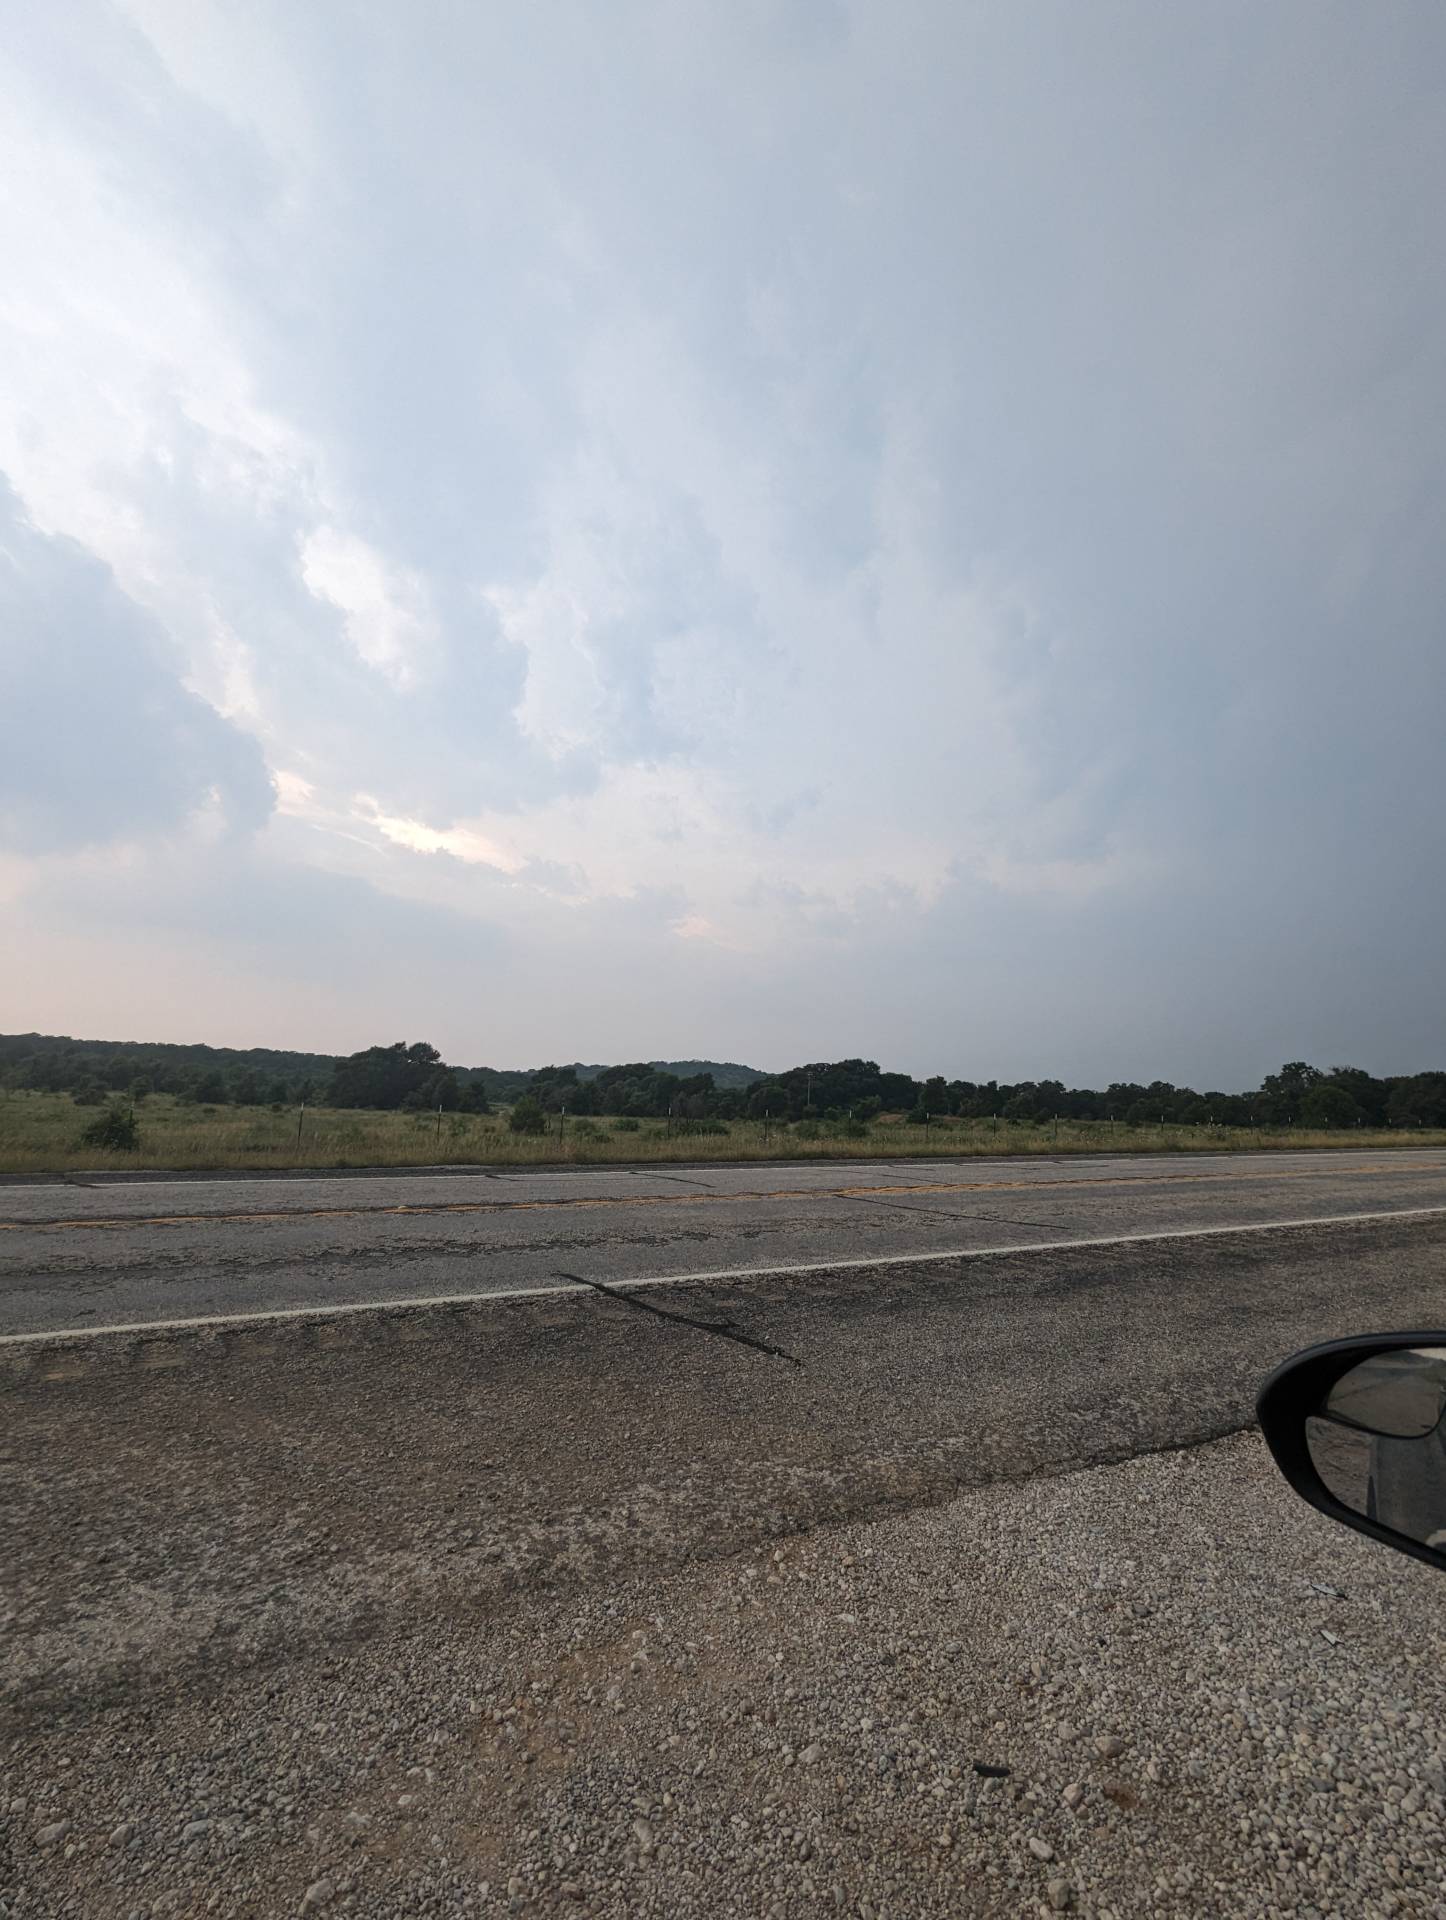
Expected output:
(385, 612)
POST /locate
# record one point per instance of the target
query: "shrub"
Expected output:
(808, 1130)
(584, 1127)
(627, 1124)
(115, 1128)
(700, 1126)
(527, 1116)
(89, 1093)
(917, 1117)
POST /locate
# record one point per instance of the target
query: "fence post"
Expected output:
(301, 1115)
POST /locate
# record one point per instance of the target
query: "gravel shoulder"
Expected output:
(1208, 1701)
(565, 1604)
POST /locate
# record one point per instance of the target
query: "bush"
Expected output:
(855, 1129)
(115, 1128)
(527, 1116)
(700, 1126)
(89, 1093)
(584, 1127)
(917, 1117)
(808, 1130)
(627, 1124)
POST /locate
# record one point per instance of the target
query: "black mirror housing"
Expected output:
(1358, 1428)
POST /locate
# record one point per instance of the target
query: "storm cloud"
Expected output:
(766, 531)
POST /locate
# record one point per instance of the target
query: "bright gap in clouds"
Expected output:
(761, 533)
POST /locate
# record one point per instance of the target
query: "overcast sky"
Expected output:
(769, 529)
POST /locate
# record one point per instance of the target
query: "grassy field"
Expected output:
(40, 1133)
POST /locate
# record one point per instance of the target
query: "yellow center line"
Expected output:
(440, 1208)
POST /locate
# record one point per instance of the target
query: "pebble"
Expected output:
(51, 1835)
(688, 1805)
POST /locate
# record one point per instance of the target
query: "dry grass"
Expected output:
(40, 1133)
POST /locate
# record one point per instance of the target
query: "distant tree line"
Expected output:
(413, 1075)
(1299, 1095)
(214, 1076)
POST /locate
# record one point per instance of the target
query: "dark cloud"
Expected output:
(99, 739)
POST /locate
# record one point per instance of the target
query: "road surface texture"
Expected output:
(713, 1597)
(168, 1248)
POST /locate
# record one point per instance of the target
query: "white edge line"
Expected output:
(271, 1315)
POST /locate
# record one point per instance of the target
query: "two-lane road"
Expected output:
(148, 1251)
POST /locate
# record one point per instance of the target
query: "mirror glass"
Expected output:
(1378, 1441)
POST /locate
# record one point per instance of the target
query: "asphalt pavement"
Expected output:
(79, 1255)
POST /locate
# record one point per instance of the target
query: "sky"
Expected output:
(767, 531)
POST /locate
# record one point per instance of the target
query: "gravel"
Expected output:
(798, 1729)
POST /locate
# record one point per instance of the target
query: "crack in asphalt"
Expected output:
(724, 1329)
(948, 1213)
(707, 1197)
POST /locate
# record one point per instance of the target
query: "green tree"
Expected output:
(384, 1076)
(527, 1116)
(1328, 1106)
(1283, 1092)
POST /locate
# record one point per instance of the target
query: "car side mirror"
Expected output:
(1358, 1428)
